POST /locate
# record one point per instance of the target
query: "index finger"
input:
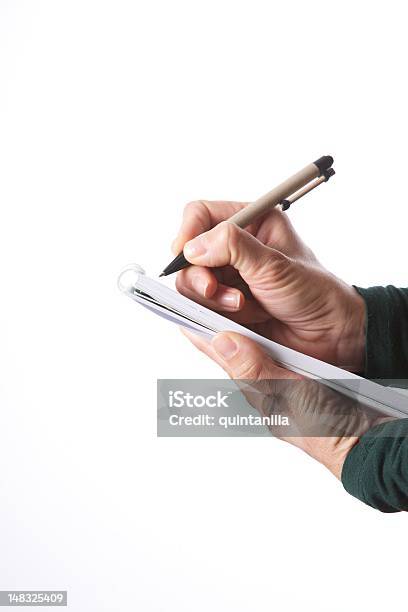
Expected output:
(200, 216)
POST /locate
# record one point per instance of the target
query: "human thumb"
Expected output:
(226, 244)
(243, 358)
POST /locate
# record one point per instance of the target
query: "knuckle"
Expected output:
(250, 369)
(189, 207)
(280, 264)
(228, 234)
(194, 206)
(232, 232)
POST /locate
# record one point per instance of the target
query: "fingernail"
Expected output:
(229, 299)
(194, 248)
(199, 284)
(224, 346)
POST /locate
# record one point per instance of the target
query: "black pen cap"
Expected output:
(324, 163)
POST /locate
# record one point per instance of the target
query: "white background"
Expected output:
(115, 114)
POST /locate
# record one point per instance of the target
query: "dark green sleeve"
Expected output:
(376, 469)
(386, 332)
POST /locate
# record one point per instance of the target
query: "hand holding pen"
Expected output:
(266, 278)
(284, 194)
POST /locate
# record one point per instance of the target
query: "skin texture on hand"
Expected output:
(267, 279)
(243, 359)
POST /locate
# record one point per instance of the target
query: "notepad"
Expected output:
(171, 305)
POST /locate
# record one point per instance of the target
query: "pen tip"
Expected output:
(162, 274)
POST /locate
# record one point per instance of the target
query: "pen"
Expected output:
(284, 194)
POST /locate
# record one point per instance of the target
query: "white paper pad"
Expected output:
(176, 308)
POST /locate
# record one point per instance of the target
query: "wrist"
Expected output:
(335, 458)
(330, 452)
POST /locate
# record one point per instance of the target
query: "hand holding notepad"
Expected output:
(197, 318)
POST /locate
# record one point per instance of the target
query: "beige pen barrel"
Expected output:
(266, 202)
(304, 180)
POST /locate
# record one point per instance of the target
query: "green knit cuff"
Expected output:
(379, 342)
(375, 470)
(352, 475)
